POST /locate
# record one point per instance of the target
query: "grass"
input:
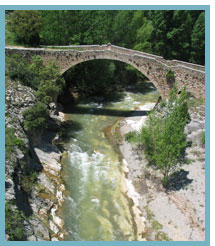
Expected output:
(202, 138)
(149, 213)
(156, 225)
(195, 102)
(162, 236)
(196, 153)
(115, 131)
(132, 137)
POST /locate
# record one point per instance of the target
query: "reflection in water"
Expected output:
(95, 208)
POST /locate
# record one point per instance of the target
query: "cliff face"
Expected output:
(32, 172)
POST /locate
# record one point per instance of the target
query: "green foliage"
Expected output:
(46, 80)
(144, 28)
(27, 181)
(14, 223)
(203, 138)
(163, 136)
(92, 83)
(17, 68)
(198, 40)
(51, 82)
(9, 36)
(11, 141)
(163, 104)
(162, 236)
(77, 27)
(26, 25)
(174, 34)
(132, 137)
(170, 77)
(35, 118)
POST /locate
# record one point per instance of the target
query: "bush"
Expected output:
(14, 223)
(11, 141)
(26, 25)
(170, 77)
(27, 181)
(35, 118)
(132, 137)
(51, 83)
(17, 68)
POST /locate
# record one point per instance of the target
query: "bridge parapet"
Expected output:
(126, 51)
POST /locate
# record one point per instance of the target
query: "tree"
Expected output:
(198, 40)
(163, 136)
(171, 36)
(26, 25)
(144, 28)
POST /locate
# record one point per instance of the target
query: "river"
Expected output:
(95, 208)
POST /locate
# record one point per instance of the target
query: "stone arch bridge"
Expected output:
(153, 67)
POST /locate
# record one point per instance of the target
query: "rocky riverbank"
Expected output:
(32, 171)
(178, 213)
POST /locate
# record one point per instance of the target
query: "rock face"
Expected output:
(32, 171)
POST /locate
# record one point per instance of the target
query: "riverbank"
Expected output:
(34, 187)
(179, 213)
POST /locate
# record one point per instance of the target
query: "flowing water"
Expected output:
(95, 208)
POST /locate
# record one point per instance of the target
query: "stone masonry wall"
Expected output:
(153, 67)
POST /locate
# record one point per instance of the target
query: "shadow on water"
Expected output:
(105, 111)
(179, 180)
(68, 130)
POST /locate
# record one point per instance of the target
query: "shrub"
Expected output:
(17, 69)
(27, 181)
(132, 137)
(14, 223)
(35, 117)
(10, 141)
(170, 77)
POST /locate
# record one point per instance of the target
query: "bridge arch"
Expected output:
(153, 67)
(112, 57)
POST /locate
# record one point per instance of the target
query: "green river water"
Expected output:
(95, 208)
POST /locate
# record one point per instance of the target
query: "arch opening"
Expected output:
(104, 79)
